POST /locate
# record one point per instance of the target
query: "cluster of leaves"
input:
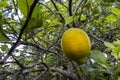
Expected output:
(33, 51)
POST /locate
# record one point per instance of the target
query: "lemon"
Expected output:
(75, 44)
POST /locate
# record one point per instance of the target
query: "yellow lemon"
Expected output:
(75, 44)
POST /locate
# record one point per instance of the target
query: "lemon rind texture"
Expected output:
(75, 44)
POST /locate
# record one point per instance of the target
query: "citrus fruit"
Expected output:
(75, 44)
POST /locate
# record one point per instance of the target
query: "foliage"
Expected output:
(30, 34)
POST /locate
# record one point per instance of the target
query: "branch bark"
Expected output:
(70, 7)
(9, 53)
(66, 73)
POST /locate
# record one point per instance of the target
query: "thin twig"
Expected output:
(36, 46)
(63, 20)
(76, 70)
(90, 20)
(39, 63)
(41, 48)
(21, 32)
(49, 43)
(16, 10)
(63, 72)
(75, 12)
(47, 7)
(57, 39)
(82, 7)
(78, 7)
(15, 33)
(18, 63)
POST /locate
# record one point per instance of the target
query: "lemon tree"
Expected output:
(47, 39)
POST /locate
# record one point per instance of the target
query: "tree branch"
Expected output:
(71, 76)
(16, 10)
(70, 7)
(36, 46)
(21, 32)
(18, 63)
(40, 48)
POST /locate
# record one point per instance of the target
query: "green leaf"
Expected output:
(116, 43)
(69, 20)
(109, 1)
(3, 36)
(37, 13)
(117, 69)
(96, 11)
(118, 1)
(116, 11)
(83, 17)
(33, 24)
(106, 5)
(53, 22)
(115, 46)
(37, 17)
(24, 6)
(98, 56)
(118, 78)
(110, 18)
(95, 72)
(39, 34)
(3, 4)
(4, 47)
(109, 45)
(88, 5)
(116, 52)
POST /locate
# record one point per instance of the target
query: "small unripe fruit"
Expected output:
(75, 44)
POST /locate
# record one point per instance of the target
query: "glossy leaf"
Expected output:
(33, 24)
(116, 52)
(24, 6)
(98, 56)
(116, 11)
(37, 13)
(116, 43)
(115, 47)
(110, 18)
(109, 45)
(83, 17)
(117, 69)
